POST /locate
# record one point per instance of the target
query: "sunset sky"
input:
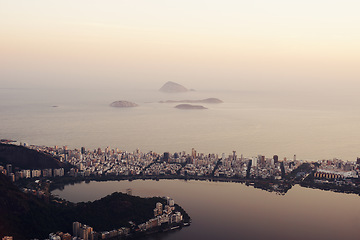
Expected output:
(258, 44)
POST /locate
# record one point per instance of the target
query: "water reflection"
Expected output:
(234, 210)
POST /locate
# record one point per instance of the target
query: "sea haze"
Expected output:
(310, 125)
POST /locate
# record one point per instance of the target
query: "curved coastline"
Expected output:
(282, 186)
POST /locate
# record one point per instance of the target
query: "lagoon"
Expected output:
(236, 211)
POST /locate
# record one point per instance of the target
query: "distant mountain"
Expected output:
(26, 158)
(172, 87)
(123, 104)
(190, 107)
(207, 100)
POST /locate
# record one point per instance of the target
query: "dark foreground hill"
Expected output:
(26, 158)
(26, 217)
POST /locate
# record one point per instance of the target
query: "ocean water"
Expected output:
(311, 125)
(235, 211)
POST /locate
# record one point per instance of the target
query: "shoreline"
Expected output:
(282, 186)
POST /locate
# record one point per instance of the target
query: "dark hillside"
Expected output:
(24, 216)
(26, 158)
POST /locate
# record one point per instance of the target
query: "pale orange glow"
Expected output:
(315, 41)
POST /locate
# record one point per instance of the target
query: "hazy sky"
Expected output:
(233, 44)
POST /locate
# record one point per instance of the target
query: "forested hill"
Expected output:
(24, 216)
(25, 158)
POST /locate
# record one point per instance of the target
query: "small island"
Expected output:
(123, 104)
(172, 87)
(190, 107)
(207, 100)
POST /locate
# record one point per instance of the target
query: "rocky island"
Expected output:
(172, 87)
(123, 104)
(190, 107)
(207, 100)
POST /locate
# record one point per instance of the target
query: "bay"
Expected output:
(312, 126)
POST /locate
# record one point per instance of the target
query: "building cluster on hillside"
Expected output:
(163, 215)
(30, 173)
(34, 173)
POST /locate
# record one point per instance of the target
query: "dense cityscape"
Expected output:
(114, 162)
(271, 174)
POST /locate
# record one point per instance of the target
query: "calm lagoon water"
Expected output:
(236, 211)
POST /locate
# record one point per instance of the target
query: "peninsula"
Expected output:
(34, 212)
(268, 173)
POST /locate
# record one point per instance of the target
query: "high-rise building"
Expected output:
(166, 156)
(85, 232)
(9, 169)
(7, 238)
(76, 228)
(99, 152)
(107, 150)
(82, 150)
(193, 153)
(276, 158)
(234, 155)
(261, 159)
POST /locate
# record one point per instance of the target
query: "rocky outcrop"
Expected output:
(172, 87)
(123, 104)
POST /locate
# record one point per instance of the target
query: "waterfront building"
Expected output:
(58, 172)
(7, 238)
(76, 228)
(47, 172)
(12, 177)
(170, 201)
(53, 236)
(26, 173)
(129, 191)
(36, 173)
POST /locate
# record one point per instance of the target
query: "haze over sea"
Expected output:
(311, 125)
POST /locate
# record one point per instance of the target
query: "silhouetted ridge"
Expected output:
(26, 158)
